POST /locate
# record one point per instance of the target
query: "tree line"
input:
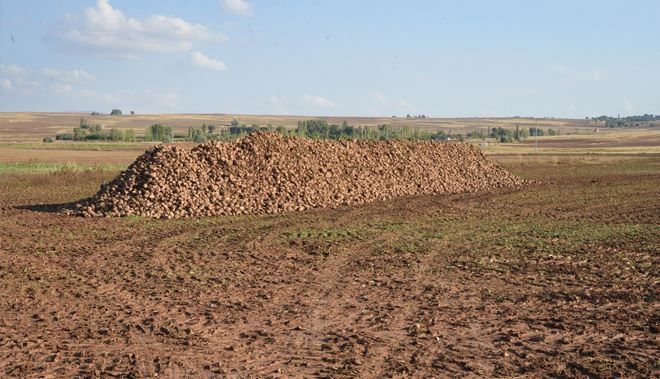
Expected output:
(627, 121)
(96, 132)
(314, 129)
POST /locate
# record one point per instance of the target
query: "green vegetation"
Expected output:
(95, 132)
(158, 132)
(43, 167)
(206, 132)
(330, 234)
(314, 129)
(320, 129)
(536, 132)
(505, 135)
(628, 121)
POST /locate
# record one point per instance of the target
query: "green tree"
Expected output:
(516, 134)
(116, 135)
(158, 132)
(129, 135)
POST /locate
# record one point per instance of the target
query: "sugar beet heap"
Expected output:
(268, 173)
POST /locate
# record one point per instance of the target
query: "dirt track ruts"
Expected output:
(502, 283)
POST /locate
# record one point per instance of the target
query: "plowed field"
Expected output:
(557, 278)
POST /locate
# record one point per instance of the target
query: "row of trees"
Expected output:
(627, 121)
(511, 135)
(113, 112)
(95, 132)
(315, 129)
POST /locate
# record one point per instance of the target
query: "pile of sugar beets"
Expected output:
(268, 173)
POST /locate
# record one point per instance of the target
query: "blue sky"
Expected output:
(351, 58)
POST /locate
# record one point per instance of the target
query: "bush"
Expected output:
(47, 140)
(115, 112)
(533, 132)
(116, 135)
(64, 137)
(129, 135)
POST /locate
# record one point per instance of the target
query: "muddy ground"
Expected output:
(557, 279)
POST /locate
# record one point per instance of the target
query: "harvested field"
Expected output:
(268, 173)
(556, 280)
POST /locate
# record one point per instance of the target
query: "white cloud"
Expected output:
(560, 68)
(380, 98)
(25, 82)
(597, 75)
(405, 105)
(628, 106)
(69, 76)
(318, 101)
(7, 84)
(12, 70)
(239, 7)
(104, 30)
(68, 90)
(201, 60)
(61, 88)
(279, 100)
(576, 74)
(391, 105)
(141, 101)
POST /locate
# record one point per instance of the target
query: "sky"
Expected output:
(332, 57)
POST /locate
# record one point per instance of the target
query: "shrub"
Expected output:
(47, 140)
(116, 135)
(129, 135)
(64, 137)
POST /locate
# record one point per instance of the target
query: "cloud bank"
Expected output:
(22, 81)
(107, 31)
(318, 101)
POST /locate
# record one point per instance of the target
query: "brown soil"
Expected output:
(583, 143)
(558, 280)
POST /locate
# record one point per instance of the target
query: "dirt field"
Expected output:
(557, 279)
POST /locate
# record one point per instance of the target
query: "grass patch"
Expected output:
(328, 234)
(45, 168)
(92, 146)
